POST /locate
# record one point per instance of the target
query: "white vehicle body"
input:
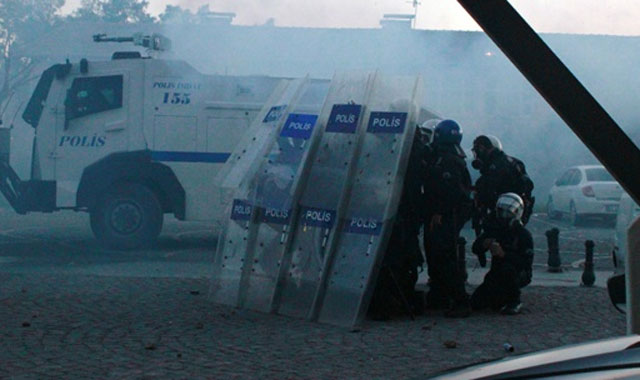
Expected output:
(188, 121)
(602, 359)
(159, 124)
(627, 213)
(581, 191)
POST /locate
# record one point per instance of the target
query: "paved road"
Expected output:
(61, 326)
(71, 309)
(63, 243)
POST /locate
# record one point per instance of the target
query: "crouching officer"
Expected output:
(447, 190)
(511, 248)
(395, 293)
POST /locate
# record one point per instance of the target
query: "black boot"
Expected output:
(458, 310)
(435, 300)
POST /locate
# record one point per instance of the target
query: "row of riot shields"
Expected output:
(313, 208)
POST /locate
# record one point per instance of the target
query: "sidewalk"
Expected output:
(542, 277)
(569, 277)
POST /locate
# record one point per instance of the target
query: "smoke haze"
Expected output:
(466, 77)
(568, 16)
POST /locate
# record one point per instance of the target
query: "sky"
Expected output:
(548, 16)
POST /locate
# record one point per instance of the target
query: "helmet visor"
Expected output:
(504, 213)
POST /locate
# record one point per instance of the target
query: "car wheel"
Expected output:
(574, 217)
(126, 217)
(551, 210)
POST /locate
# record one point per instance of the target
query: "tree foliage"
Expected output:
(22, 22)
(175, 14)
(116, 11)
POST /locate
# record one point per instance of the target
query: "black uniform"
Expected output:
(501, 174)
(501, 285)
(447, 193)
(395, 287)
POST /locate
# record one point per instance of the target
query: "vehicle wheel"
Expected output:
(574, 217)
(126, 217)
(551, 210)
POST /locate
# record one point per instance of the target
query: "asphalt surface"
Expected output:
(70, 309)
(62, 243)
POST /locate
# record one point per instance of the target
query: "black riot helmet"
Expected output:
(447, 132)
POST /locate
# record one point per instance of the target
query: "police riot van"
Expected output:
(129, 140)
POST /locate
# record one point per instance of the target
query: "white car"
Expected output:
(583, 191)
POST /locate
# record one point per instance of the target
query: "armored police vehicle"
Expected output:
(131, 139)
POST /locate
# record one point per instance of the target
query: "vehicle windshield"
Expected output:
(599, 175)
(33, 110)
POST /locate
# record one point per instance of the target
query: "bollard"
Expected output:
(462, 257)
(588, 276)
(553, 263)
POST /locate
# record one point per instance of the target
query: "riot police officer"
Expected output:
(511, 247)
(447, 203)
(499, 174)
(395, 287)
(435, 297)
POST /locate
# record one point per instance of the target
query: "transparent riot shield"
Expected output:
(379, 175)
(274, 191)
(254, 143)
(238, 234)
(322, 194)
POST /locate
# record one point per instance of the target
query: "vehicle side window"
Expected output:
(92, 95)
(564, 179)
(576, 176)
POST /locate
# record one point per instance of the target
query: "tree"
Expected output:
(22, 22)
(175, 14)
(116, 11)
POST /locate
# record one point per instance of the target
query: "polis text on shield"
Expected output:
(241, 210)
(387, 122)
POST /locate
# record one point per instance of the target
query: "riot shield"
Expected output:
(254, 143)
(366, 227)
(237, 234)
(323, 193)
(275, 189)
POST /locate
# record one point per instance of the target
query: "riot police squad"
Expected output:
(437, 196)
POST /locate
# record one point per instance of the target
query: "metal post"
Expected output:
(633, 277)
(554, 264)
(588, 276)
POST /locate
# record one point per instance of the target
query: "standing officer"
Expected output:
(499, 174)
(446, 190)
(395, 288)
(435, 297)
(511, 248)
